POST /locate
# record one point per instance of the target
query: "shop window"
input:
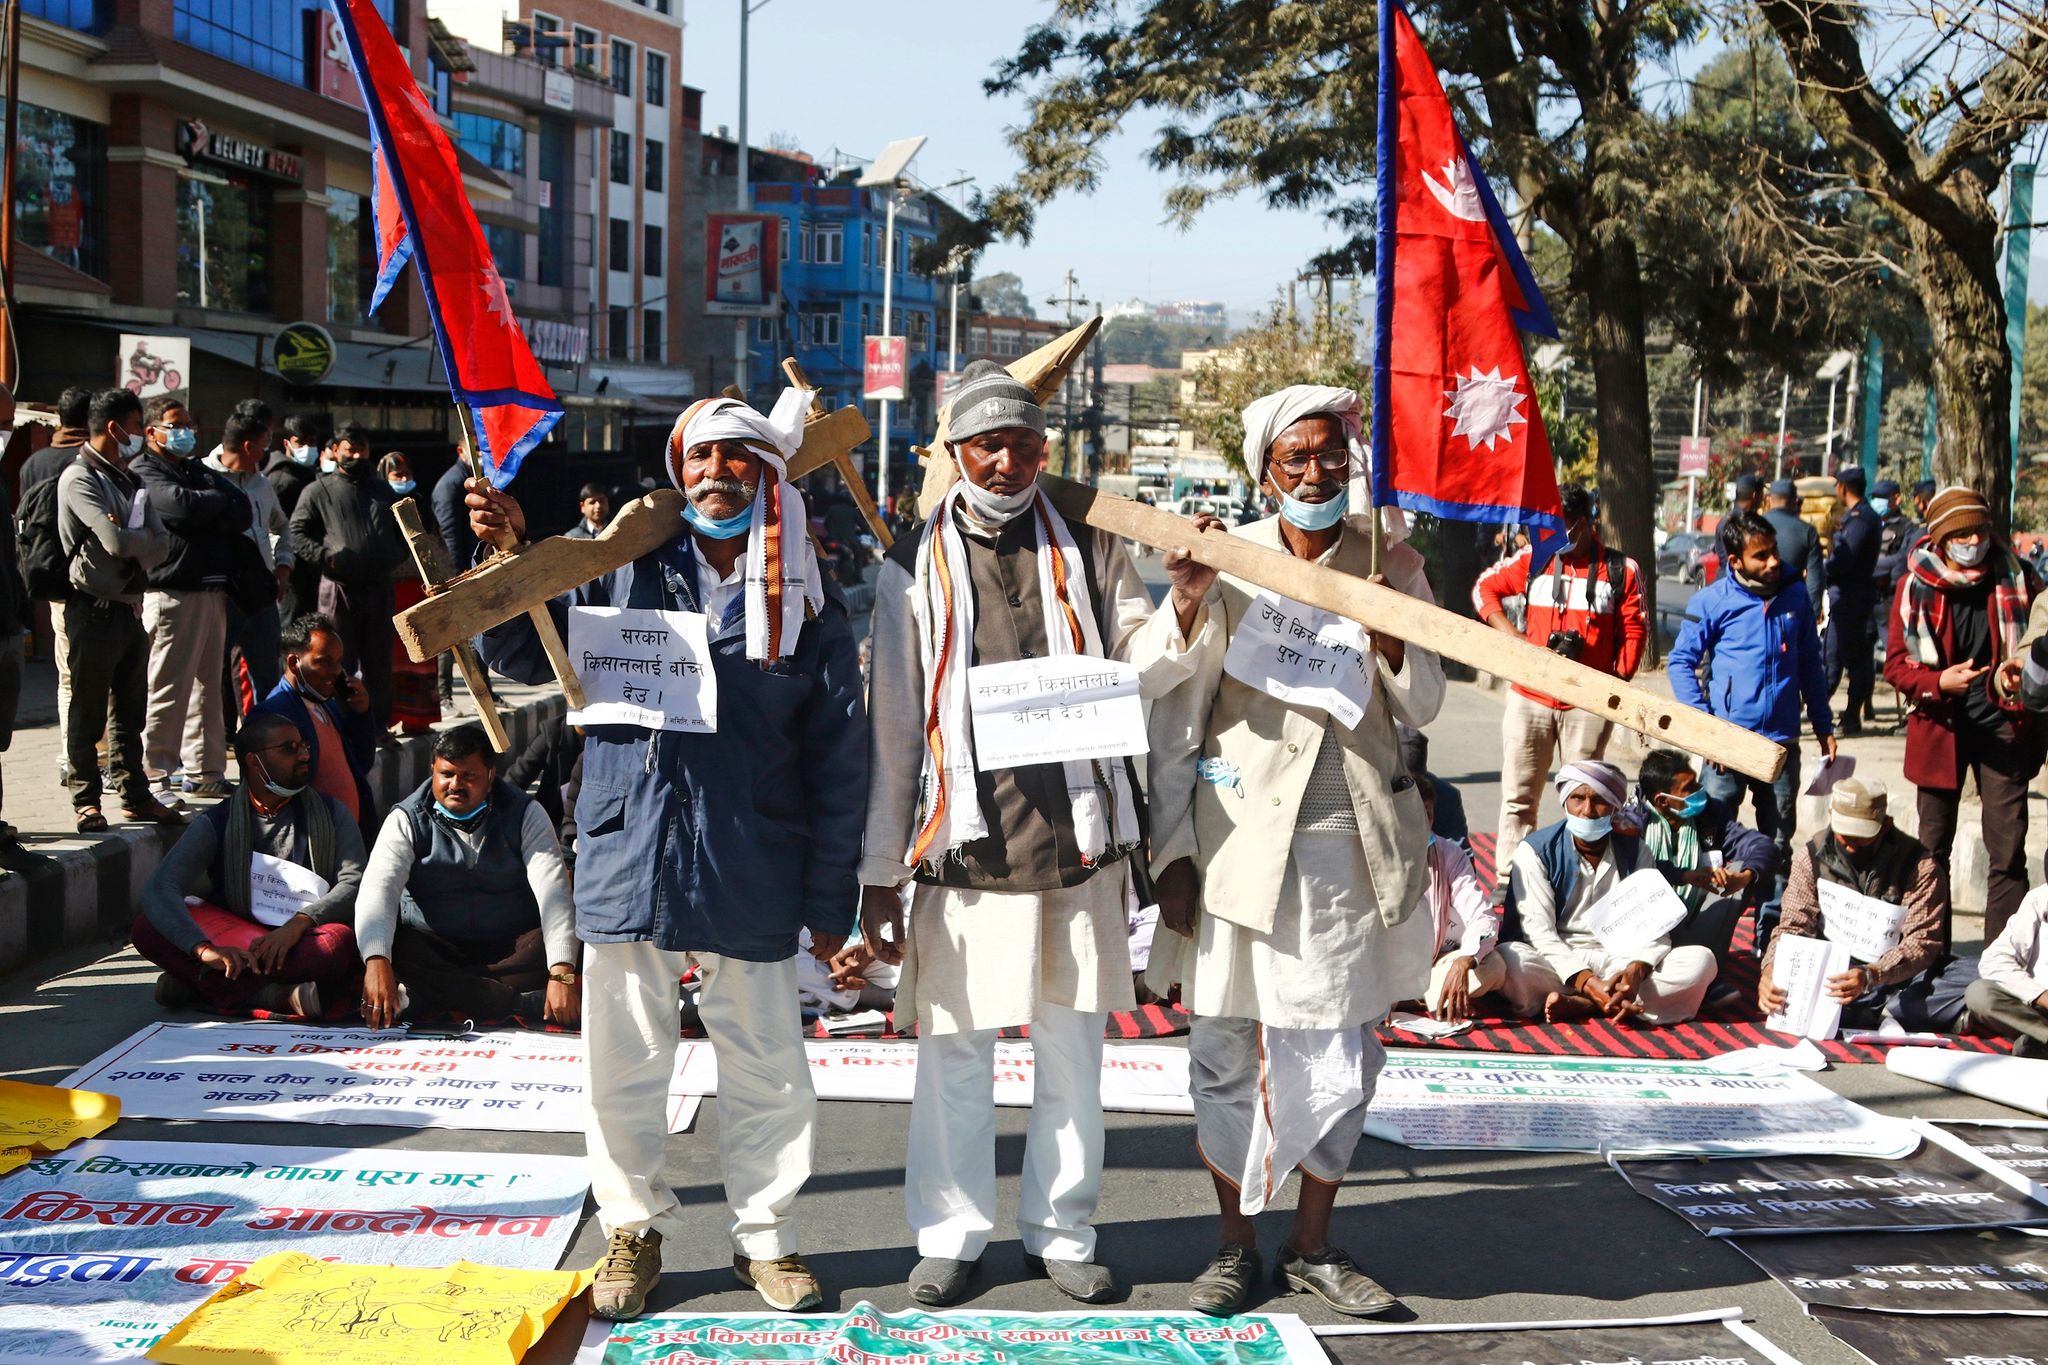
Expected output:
(60, 187)
(351, 257)
(224, 243)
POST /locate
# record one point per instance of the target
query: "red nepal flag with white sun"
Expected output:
(1456, 429)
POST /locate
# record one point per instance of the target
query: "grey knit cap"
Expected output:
(990, 398)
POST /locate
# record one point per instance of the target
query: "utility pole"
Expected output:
(741, 355)
(1784, 400)
(1067, 384)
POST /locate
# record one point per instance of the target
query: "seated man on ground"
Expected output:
(1718, 866)
(465, 908)
(1561, 969)
(246, 944)
(2010, 994)
(1467, 926)
(1917, 983)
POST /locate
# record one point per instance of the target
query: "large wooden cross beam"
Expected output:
(525, 580)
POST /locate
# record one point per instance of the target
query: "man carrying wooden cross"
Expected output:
(711, 846)
(1018, 913)
(1290, 845)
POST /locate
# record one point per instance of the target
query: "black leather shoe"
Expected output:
(939, 1281)
(1226, 1286)
(1332, 1276)
(1082, 1281)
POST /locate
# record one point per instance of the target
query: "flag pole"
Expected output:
(1378, 476)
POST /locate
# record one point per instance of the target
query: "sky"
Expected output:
(826, 74)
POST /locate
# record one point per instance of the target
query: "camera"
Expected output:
(1568, 644)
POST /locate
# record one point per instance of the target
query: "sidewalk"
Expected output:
(82, 888)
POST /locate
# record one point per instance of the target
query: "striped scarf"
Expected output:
(1930, 579)
(1104, 812)
(239, 844)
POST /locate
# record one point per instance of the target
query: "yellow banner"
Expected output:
(46, 1117)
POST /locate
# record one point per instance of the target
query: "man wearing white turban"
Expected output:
(712, 849)
(1291, 850)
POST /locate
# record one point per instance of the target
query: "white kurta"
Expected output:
(986, 959)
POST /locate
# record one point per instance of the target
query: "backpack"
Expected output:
(45, 568)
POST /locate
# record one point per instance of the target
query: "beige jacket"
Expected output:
(1238, 824)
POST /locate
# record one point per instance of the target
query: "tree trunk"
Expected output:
(1972, 368)
(1612, 278)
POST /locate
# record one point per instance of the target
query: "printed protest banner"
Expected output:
(47, 1118)
(1590, 1104)
(1889, 1339)
(868, 1335)
(508, 1080)
(1933, 1188)
(106, 1245)
(1719, 1336)
(2020, 1146)
(1909, 1272)
(291, 1309)
(1141, 1078)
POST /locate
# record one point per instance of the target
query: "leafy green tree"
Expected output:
(1003, 294)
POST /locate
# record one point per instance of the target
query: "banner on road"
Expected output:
(511, 1080)
(1719, 1336)
(1886, 1339)
(106, 1245)
(873, 1337)
(1910, 1272)
(1934, 1188)
(1591, 1104)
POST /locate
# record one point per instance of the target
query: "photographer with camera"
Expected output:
(1586, 604)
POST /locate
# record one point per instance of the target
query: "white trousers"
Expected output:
(1536, 741)
(1671, 994)
(1223, 1080)
(949, 1181)
(766, 1107)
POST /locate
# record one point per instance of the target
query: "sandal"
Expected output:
(91, 821)
(154, 813)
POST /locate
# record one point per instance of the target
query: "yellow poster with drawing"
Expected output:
(49, 1118)
(290, 1309)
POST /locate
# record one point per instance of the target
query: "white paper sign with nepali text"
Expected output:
(1800, 967)
(280, 888)
(1054, 710)
(645, 667)
(1302, 655)
(1868, 927)
(1641, 909)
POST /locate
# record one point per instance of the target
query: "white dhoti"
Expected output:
(978, 962)
(1671, 994)
(766, 1107)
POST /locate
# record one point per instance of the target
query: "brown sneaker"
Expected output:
(626, 1276)
(785, 1282)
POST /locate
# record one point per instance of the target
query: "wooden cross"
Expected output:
(849, 472)
(526, 580)
(432, 558)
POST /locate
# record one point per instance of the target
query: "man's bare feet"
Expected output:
(1559, 1008)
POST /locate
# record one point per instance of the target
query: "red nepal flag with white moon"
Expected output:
(1456, 430)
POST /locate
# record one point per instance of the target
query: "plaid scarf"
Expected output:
(1930, 579)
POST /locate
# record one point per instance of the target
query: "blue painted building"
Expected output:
(833, 262)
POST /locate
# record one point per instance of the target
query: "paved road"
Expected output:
(1463, 1236)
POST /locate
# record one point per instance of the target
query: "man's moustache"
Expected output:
(708, 488)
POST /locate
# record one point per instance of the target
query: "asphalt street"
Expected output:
(1461, 1236)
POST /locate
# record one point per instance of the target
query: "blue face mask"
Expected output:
(403, 486)
(1695, 806)
(180, 440)
(1590, 828)
(713, 527)
(1880, 505)
(442, 810)
(303, 454)
(1312, 516)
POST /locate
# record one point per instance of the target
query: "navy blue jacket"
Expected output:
(1852, 563)
(1799, 548)
(1719, 832)
(1761, 656)
(358, 737)
(451, 516)
(729, 842)
(1560, 860)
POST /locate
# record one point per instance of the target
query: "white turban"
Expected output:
(1265, 418)
(778, 599)
(1605, 779)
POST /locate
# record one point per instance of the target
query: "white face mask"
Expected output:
(997, 507)
(1967, 556)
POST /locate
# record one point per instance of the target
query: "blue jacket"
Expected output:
(1852, 564)
(1761, 655)
(1719, 832)
(358, 738)
(729, 842)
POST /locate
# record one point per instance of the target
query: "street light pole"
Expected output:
(1784, 399)
(740, 355)
(888, 297)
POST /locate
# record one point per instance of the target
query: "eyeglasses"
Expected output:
(1331, 461)
(290, 746)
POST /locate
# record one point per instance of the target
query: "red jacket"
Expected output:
(1559, 601)
(1931, 757)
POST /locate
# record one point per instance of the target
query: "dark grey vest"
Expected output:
(462, 893)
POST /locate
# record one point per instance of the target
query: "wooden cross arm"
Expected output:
(1453, 636)
(431, 556)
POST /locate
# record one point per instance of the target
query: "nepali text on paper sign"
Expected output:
(1868, 927)
(1302, 655)
(279, 889)
(1054, 711)
(644, 667)
(1800, 967)
(1636, 913)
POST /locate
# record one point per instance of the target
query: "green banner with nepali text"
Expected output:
(868, 1336)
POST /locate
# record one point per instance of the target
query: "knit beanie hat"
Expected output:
(990, 398)
(1956, 509)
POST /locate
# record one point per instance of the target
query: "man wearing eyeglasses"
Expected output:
(1290, 847)
(274, 870)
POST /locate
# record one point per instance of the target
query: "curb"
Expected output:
(85, 888)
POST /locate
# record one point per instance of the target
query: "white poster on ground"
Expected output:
(640, 666)
(1594, 1104)
(1141, 1078)
(1868, 927)
(507, 1080)
(105, 1245)
(1054, 710)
